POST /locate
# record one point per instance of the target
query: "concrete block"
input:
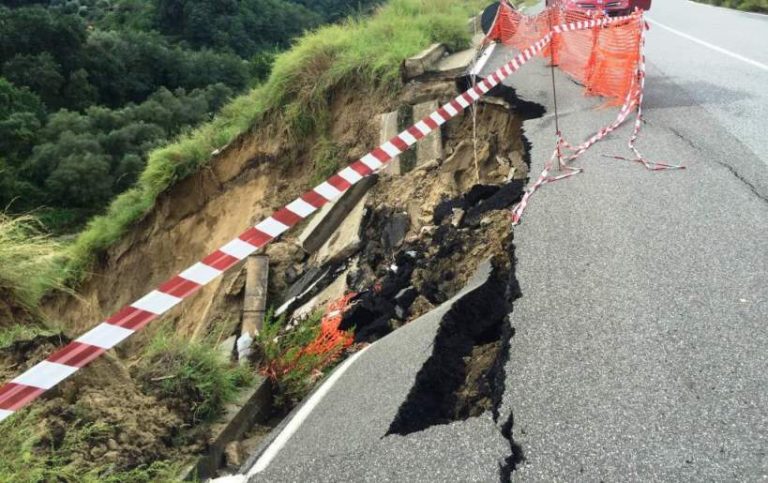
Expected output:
(331, 215)
(431, 147)
(423, 61)
(389, 129)
(252, 406)
(346, 239)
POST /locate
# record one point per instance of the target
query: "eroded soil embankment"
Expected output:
(454, 219)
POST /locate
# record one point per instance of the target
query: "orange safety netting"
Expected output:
(325, 349)
(604, 59)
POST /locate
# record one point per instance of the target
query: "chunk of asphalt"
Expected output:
(508, 194)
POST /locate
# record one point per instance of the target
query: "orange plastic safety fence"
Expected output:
(603, 59)
(323, 350)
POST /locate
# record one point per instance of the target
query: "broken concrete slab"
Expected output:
(423, 61)
(456, 64)
(346, 239)
(430, 148)
(332, 292)
(322, 225)
(389, 129)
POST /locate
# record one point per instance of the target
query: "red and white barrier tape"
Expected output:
(37, 380)
(634, 99)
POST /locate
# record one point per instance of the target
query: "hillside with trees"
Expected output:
(89, 87)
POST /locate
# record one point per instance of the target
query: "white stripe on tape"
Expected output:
(157, 302)
(45, 375)
(301, 207)
(238, 248)
(105, 335)
(422, 127)
(327, 191)
(350, 175)
(371, 161)
(462, 101)
(408, 138)
(450, 109)
(4, 414)
(473, 94)
(435, 116)
(200, 273)
(271, 227)
(390, 149)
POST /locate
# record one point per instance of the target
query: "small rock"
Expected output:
(486, 221)
(428, 230)
(458, 217)
(98, 451)
(112, 444)
(232, 454)
(111, 456)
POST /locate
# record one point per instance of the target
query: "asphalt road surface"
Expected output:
(641, 344)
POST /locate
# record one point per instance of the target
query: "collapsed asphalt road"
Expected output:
(639, 343)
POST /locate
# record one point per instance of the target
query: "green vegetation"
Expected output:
(192, 379)
(27, 456)
(360, 52)
(29, 265)
(17, 332)
(292, 371)
(748, 5)
(88, 60)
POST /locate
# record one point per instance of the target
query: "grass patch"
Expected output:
(293, 372)
(27, 455)
(19, 332)
(746, 5)
(29, 262)
(191, 378)
(363, 52)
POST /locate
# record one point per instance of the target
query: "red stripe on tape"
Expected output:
(399, 143)
(255, 237)
(381, 155)
(415, 132)
(444, 113)
(339, 183)
(314, 198)
(467, 97)
(429, 122)
(455, 104)
(179, 287)
(220, 260)
(76, 354)
(15, 396)
(361, 168)
(286, 217)
(131, 318)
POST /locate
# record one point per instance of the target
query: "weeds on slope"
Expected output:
(29, 262)
(192, 379)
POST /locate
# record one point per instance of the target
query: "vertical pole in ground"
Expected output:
(254, 303)
(552, 47)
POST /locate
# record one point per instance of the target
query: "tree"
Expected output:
(40, 72)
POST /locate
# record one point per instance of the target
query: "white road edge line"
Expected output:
(482, 60)
(736, 56)
(291, 428)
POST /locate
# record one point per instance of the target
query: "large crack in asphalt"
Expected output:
(465, 375)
